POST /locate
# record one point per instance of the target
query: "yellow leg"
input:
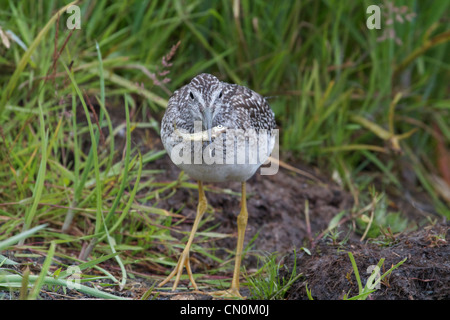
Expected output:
(184, 258)
(242, 225)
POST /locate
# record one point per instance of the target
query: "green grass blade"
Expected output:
(132, 196)
(45, 267)
(39, 186)
(98, 186)
(355, 270)
(19, 237)
(9, 281)
(88, 264)
(126, 162)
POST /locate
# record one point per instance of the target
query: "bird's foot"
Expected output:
(178, 270)
(231, 293)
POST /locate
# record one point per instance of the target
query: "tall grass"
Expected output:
(364, 106)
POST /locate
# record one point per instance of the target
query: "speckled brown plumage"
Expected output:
(230, 105)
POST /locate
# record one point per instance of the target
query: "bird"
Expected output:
(217, 132)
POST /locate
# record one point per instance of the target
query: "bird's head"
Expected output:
(204, 99)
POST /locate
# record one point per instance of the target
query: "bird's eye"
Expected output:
(219, 126)
(220, 94)
(191, 95)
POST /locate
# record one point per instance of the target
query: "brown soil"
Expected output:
(424, 275)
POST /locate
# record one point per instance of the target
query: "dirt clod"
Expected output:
(424, 275)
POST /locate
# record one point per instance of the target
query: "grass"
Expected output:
(268, 283)
(364, 108)
(373, 280)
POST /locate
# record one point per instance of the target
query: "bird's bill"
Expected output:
(207, 122)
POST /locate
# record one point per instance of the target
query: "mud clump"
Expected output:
(425, 275)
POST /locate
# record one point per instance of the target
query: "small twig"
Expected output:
(308, 223)
(428, 44)
(55, 51)
(57, 54)
(369, 224)
(95, 117)
(294, 169)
